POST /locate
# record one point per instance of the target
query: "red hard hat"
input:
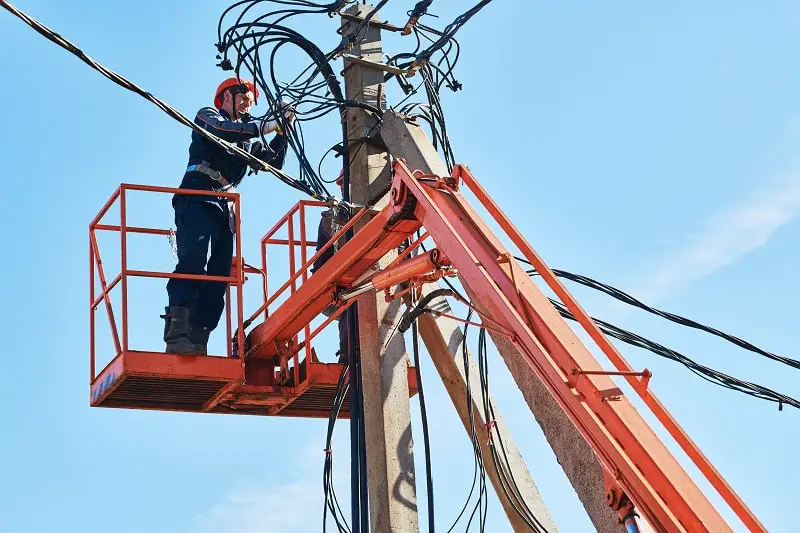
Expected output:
(340, 179)
(232, 82)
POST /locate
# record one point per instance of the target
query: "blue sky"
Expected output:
(652, 147)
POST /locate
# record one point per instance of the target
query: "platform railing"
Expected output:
(296, 223)
(236, 278)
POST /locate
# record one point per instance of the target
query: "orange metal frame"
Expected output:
(639, 469)
(95, 262)
(233, 384)
(295, 274)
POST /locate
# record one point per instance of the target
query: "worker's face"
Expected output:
(244, 102)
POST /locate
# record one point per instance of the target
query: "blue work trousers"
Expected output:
(200, 224)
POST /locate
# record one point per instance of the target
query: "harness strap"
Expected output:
(215, 175)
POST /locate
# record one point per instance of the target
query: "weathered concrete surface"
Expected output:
(408, 141)
(387, 410)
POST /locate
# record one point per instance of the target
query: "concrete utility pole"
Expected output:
(387, 409)
(408, 141)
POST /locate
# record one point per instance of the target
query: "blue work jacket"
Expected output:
(233, 168)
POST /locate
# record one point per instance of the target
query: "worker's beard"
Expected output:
(244, 116)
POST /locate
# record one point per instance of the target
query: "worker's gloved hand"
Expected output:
(257, 149)
(289, 112)
(268, 126)
(272, 126)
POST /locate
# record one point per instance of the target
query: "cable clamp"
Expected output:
(489, 425)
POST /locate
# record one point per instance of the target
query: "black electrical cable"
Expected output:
(433, 114)
(707, 373)
(409, 318)
(500, 461)
(442, 42)
(358, 481)
(172, 112)
(479, 474)
(280, 36)
(359, 493)
(246, 39)
(355, 445)
(362, 435)
(331, 502)
(438, 117)
(444, 76)
(420, 9)
(425, 437)
(448, 75)
(302, 92)
(630, 300)
(352, 37)
(451, 29)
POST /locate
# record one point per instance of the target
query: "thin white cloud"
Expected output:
(292, 505)
(726, 237)
(256, 508)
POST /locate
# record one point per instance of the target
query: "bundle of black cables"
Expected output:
(630, 300)
(246, 39)
(707, 373)
(479, 470)
(440, 41)
(435, 73)
(450, 30)
(331, 502)
(499, 458)
(312, 94)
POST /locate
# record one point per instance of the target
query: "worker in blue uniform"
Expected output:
(195, 307)
(330, 222)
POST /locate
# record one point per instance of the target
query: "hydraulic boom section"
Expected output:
(641, 474)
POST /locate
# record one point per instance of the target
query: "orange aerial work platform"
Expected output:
(641, 474)
(292, 383)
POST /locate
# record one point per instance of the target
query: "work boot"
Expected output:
(176, 331)
(198, 337)
(166, 316)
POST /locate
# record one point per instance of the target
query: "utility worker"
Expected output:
(195, 307)
(330, 222)
(326, 229)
